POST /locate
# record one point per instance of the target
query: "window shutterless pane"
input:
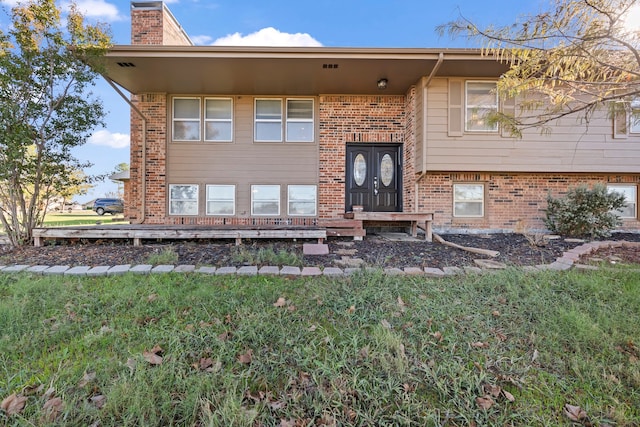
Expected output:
(217, 131)
(481, 100)
(469, 192)
(268, 109)
(266, 208)
(218, 109)
(468, 209)
(299, 131)
(183, 192)
(184, 130)
(186, 108)
(634, 126)
(221, 192)
(220, 208)
(269, 131)
(300, 109)
(265, 192)
(184, 208)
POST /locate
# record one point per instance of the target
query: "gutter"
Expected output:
(424, 87)
(144, 147)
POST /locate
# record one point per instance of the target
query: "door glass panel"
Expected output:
(386, 170)
(359, 169)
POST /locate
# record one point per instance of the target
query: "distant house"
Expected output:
(261, 135)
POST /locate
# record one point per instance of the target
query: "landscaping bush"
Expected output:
(585, 212)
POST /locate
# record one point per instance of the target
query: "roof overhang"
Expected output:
(286, 71)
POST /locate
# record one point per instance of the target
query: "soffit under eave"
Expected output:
(283, 75)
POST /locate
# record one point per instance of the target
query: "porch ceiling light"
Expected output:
(382, 84)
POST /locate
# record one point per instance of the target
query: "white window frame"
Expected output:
(171, 212)
(481, 201)
(206, 120)
(310, 121)
(309, 201)
(256, 120)
(634, 116)
(213, 199)
(615, 187)
(174, 119)
(254, 188)
(468, 106)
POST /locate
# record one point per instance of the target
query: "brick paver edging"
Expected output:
(565, 262)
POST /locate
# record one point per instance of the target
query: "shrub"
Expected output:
(585, 212)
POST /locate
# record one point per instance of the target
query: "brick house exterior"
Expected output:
(418, 117)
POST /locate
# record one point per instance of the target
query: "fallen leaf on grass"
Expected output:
(99, 400)
(32, 389)
(575, 413)
(385, 324)
(402, 305)
(152, 356)
(479, 344)
(495, 313)
(437, 335)
(351, 309)
(484, 402)
(86, 379)
(312, 328)
(13, 404)
(246, 358)
(508, 396)
(535, 355)
(51, 409)
(224, 336)
(131, 364)
(492, 390)
(152, 297)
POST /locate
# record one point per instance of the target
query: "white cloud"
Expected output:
(201, 40)
(267, 37)
(11, 3)
(109, 139)
(98, 9)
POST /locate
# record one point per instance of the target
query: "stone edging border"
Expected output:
(565, 262)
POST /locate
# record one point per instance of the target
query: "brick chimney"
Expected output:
(153, 24)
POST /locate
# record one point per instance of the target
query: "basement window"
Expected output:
(468, 200)
(630, 197)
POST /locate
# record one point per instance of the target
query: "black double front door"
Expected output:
(374, 177)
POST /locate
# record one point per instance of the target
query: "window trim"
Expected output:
(482, 201)
(315, 200)
(256, 120)
(635, 202)
(466, 107)
(207, 200)
(173, 118)
(278, 199)
(205, 120)
(634, 125)
(310, 121)
(197, 199)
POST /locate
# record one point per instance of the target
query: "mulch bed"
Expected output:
(375, 251)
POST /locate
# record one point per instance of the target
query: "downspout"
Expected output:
(143, 188)
(424, 87)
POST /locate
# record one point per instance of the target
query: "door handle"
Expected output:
(375, 185)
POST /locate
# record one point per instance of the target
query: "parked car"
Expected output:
(112, 206)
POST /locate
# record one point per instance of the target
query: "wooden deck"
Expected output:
(177, 232)
(353, 225)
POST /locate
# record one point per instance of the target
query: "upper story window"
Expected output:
(481, 99)
(188, 119)
(218, 119)
(297, 125)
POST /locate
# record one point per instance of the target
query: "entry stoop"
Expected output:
(343, 228)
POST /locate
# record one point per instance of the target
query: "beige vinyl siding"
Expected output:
(244, 162)
(572, 146)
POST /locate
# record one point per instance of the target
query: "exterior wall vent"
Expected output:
(331, 66)
(126, 64)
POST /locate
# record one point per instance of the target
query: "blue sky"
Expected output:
(344, 23)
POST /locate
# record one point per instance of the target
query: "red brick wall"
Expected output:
(512, 201)
(345, 119)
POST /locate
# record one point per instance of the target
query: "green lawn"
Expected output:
(185, 349)
(62, 219)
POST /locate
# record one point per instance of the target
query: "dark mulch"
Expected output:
(515, 249)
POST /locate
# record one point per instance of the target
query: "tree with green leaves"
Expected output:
(46, 109)
(578, 57)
